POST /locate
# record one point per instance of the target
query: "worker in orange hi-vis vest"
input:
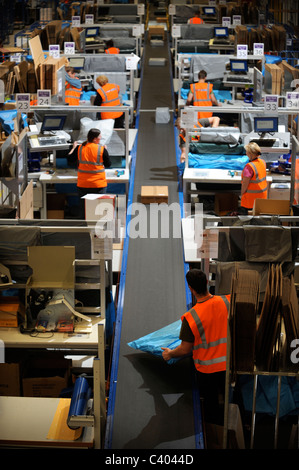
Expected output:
(204, 334)
(196, 19)
(254, 183)
(201, 94)
(73, 87)
(110, 49)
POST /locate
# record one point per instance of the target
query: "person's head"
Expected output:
(253, 150)
(70, 71)
(94, 136)
(102, 80)
(202, 75)
(197, 280)
(109, 43)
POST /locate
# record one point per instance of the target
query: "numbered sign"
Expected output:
(43, 97)
(258, 48)
(188, 118)
(54, 51)
(242, 51)
(16, 58)
(137, 30)
(140, 9)
(23, 102)
(176, 31)
(89, 19)
(75, 21)
(212, 3)
(132, 61)
(293, 100)
(271, 104)
(69, 48)
(226, 21)
(236, 20)
(171, 9)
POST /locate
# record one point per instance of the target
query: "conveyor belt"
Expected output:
(151, 403)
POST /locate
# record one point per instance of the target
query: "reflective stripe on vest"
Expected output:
(110, 97)
(257, 180)
(72, 94)
(86, 162)
(107, 101)
(201, 97)
(209, 355)
(257, 188)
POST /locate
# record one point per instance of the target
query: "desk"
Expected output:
(214, 176)
(12, 338)
(25, 422)
(70, 177)
(236, 84)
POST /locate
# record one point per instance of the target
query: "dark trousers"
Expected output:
(82, 192)
(211, 387)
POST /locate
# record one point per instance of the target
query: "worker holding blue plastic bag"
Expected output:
(204, 333)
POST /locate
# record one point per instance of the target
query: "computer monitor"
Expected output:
(265, 124)
(257, 85)
(76, 62)
(91, 32)
(209, 11)
(238, 65)
(220, 31)
(53, 123)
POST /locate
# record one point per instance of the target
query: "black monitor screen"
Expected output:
(91, 32)
(209, 11)
(238, 65)
(221, 32)
(53, 123)
(76, 62)
(265, 124)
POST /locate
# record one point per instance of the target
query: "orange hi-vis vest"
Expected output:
(201, 97)
(110, 97)
(72, 94)
(257, 188)
(91, 170)
(196, 20)
(208, 321)
(112, 50)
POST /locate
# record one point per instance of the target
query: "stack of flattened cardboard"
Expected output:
(243, 315)
(279, 37)
(276, 74)
(241, 33)
(268, 341)
(45, 68)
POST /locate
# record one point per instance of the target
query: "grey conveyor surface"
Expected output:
(153, 405)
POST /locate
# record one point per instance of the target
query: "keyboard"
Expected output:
(222, 41)
(266, 142)
(238, 79)
(45, 141)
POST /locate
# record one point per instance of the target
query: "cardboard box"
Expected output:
(10, 380)
(154, 194)
(271, 206)
(12, 312)
(101, 208)
(45, 377)
(226, 202)
(155, 31)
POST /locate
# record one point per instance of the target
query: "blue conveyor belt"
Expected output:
(151, 404)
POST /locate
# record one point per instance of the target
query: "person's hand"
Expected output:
(166, 354)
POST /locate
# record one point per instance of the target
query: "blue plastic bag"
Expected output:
(166, 337)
